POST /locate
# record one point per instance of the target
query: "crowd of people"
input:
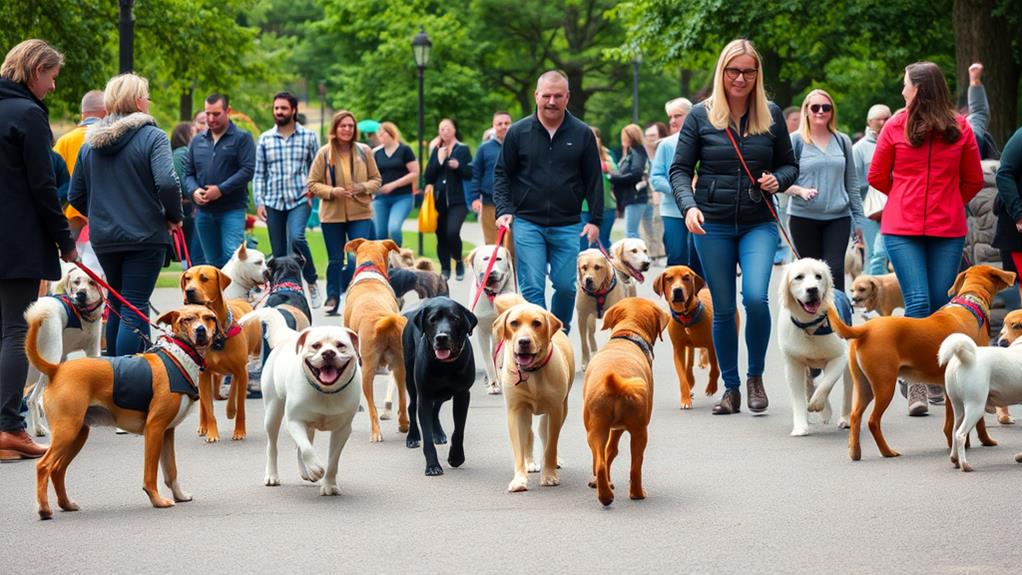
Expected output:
(710, 189)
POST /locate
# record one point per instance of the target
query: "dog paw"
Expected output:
(440, 438)
(686, 402)
(1006, 420)
(201, 430)
(637, 494)
(518, 484)
(966, 467)
(493, 388)
(816, 405)
(799, 431)
(434, 470)
(271, 481)
(42, 431)
(532, 467)
(412, 443)
(315, 471)
(329, 489)
(161, 502)
(549, 480)
(239, 435)
(385, 415)
(456, 457)
(843, 424)
(45, 512)
(591, 483)
(711, 389)
(375, 436)
(212, 437)
(69, 505)
(402, 427)
(180, 495)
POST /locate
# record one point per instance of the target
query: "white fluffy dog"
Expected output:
(309, 377)
(974, 377)
(806, 340)
(247, 269)
(501, 280)
(630, 258)
(71, 321)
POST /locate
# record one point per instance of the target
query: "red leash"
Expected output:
(95, 277)
(181, 247)
(489, 267)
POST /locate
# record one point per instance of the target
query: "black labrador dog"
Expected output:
(284, 278)
(439, 365)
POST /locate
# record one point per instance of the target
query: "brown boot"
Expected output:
(16, 445)
(730, 403)
(758, 401)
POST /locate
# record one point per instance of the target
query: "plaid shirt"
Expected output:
(282, 167)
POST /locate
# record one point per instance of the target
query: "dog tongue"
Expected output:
(328, 374)
(812, 307)
(442, 354)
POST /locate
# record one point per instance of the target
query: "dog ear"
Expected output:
(223, 279)
(354, 343)
(783, 291)
(470, 257)
(958, 283)
(61, 286)
(663, 320)
(169, 317)
(698, 283)
(874, 283)
(301, 340)
(243, 252)
(612, 316)
(391, 246)
(182, 282)
(470, 318)
(617, 250)
(1005, 277)
(417, 318)
(658, 283)
(501, 332)
(553, 324)
(353, 245)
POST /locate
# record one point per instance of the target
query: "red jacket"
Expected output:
(928, 186)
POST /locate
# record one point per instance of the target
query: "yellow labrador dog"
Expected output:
(536, 367)
(631, 259)
(598, 289)
(880, 294)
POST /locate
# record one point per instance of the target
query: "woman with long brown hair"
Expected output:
(631, 190)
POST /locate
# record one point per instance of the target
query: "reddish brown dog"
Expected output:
(204, 285)
(885, 347)
(617, 393)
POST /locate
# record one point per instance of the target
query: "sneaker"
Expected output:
(315, 298)
(935, 394)
(331, 306)
(459, 271)
(917, 400)
(446, 273)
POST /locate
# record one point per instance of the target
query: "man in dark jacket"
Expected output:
(481, 194)
(548, 165)
(32, 227)
(220, 164)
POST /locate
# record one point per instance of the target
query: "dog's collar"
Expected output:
(370, 271)
(369, 266)
(522, 372)
(688, 319)
(822, 321)
(223, 334)
(646, 348)
(322, 389)
(975, 305)
(601, 295)
(186, 347)
(286, 286)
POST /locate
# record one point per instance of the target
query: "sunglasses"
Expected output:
(748, 73)
(818, 108)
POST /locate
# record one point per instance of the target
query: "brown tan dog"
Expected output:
(598, 290)
(692, 328)
(1011, 329)
(536, 367)
(371, 311)
(228, 354)
(887, 347)
(82, 392)
(881, 294)
(617, 393)
(405, 258)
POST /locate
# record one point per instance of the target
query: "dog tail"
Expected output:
(424, 264)
(392, 325)
(277, 330)
(627, 388)
(35, 315)
(843, 330)
(959, 346)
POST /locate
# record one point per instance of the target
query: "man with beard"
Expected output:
(284, 154)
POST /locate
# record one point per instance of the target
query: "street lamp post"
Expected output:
(126, 30)
(636, 60)
(421, 47)
(322, 110)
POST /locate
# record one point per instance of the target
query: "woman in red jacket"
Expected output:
(927, 162)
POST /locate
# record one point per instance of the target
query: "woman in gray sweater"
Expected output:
(826, 198)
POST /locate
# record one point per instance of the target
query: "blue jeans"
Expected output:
(633, 217)
(335, 235)
(679, 245)
(192, 238)
(721, 249)
(133, 274)
(220, 233)
(389, 213)
(286, 229)
(926, 268)
(607, 224)
(877, 264)
(539, 249)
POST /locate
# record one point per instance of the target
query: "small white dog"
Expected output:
(312, 378)
(806, 340)
(500, 281)
(975, 377)
(630, 257)
(247, 269)
(71, 321)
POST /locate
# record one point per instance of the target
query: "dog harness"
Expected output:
(370, 271)
(286, 286)
(689, 319)
(522, 372)
(975, 305)
(822, 321)
(646, 348)
(133, 377)
(599, 295)
(222, 335)
(74, 313)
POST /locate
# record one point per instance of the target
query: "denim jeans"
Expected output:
(877, 264)
(541, 249)
(15, 297)
(133, 274)
(221, 233)
(606, 225)
(721, 249)
(195, 252)
(335, 235)
(870, 231)
(633, 217)
(679, 245)
(926, 268)
(389, 213)
(287, 236)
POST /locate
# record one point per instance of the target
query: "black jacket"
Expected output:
(125, 183)
(229, 164)
(1008, 206)
(723, 191)
(629, 173)
(449, 183)
(544, 180)
(33, 230)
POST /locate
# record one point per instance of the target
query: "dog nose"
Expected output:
(813, 291)
(328, 354)
(1003, 342)
(523, 343)
(81, 296)
(677, 293)
(441, 339)
(190, 292)
(645, 266)
(589, 283)
(201, 330)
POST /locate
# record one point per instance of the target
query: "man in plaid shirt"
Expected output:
(283, 156)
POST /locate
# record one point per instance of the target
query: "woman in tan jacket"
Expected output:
(344, 177)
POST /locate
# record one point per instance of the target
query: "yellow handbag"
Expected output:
(428, 214)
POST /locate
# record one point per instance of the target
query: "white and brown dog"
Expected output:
(311, 377)
(501, 280)
(247, 270)
(70, 321)
(631, 260)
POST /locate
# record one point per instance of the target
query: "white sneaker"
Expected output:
(315, 298)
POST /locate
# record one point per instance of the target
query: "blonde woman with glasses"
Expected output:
(729, 213)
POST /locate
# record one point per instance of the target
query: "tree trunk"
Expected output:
(982, 37)
(185, 108)
(578, 96)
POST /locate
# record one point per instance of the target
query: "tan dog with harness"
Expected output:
(598, 290)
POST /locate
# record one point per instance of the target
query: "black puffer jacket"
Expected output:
(723, 189)
(630, 172)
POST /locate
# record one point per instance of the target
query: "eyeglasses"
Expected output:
(818, 108)
(748, 73)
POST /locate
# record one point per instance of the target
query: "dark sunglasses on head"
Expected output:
(817, 108)
(748, 73)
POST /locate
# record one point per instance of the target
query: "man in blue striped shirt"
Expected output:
(283, 157)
